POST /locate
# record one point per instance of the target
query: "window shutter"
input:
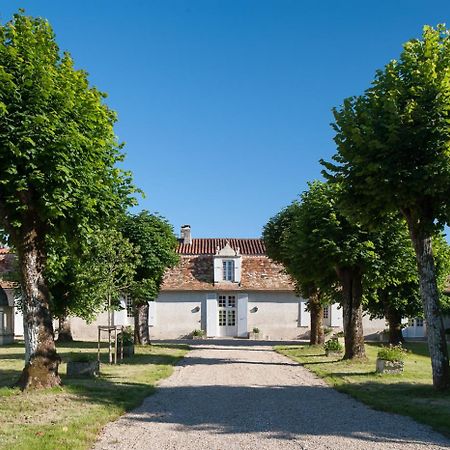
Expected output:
(237, 270)
(305, 316)
(211, 315)
(218, 270)
(242, 311)
(152, 313)
(336, 315)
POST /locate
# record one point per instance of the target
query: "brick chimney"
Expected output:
(186, 234)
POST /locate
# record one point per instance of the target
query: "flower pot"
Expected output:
(83, 368)
(390, 367)
(333, 354)
(128, 350)
(254, 336)
(196, 337)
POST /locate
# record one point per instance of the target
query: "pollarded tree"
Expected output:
(58, 169)
(285, 245)
(393, 155)
(332, 243)
(156, 243)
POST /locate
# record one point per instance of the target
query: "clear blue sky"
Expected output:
(225, 106)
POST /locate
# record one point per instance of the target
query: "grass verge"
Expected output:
(71, 416)
(410, 393)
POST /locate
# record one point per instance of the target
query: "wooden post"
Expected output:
(98, 345)
(115, 345)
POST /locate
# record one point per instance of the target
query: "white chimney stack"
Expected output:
(186, 234)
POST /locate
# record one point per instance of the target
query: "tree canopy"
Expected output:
(393, 155)
(58, 171)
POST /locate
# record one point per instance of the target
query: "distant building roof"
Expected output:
(208, 246)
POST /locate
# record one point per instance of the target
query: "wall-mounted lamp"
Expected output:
(254, 309)
(196, 309)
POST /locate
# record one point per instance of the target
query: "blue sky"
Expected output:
(225, 106)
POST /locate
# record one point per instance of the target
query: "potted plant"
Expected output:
(333, 347)
(391, 359)
(254, 334)
(198, 334)
(126, 337)
(82, 364)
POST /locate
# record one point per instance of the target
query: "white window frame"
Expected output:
(129, 305)
(228, 270)
(326, 312)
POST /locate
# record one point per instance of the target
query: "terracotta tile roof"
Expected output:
(196, 273)
(209, 246)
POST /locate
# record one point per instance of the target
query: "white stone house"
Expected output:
(226, 287)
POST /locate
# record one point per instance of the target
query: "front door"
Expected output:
(227, 315)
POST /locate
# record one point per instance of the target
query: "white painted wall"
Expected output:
(277, 315)
(179, 313)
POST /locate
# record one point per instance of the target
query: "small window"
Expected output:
(326, 312)
(222, 301)
(419, 322)
(129, 303)
(228, 270)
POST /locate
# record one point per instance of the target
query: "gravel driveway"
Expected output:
(239, 396)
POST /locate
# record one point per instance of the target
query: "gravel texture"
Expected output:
(243, 396)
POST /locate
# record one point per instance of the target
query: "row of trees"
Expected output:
(63, 198)
(389, 178)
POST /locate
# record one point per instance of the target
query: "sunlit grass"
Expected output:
(410, 393)
(70, 417)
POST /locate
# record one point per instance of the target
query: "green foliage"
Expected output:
(392, 353)
(393, 141)
(126, 336)
(198, 332)
(155, 242)
(312, 238)
(333, 345)
(255, 330)
(59, 152)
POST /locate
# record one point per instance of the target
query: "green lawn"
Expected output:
(410, 393)
(70, 417)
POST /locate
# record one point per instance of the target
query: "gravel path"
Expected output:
(226, 397)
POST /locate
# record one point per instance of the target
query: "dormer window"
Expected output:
(227, 264)
(228, 270)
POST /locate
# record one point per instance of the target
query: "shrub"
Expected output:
(327, 330)
(392, 353)
(126, 336)
(256, 330)
(333, 345)
(198, 332)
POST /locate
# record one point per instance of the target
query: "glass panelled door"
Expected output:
(227, 315)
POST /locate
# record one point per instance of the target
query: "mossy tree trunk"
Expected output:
(316, 312)
(351, 282)
(41, 359)
(430, 300)
(141, 333)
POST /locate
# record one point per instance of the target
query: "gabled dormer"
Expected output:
(227, 265)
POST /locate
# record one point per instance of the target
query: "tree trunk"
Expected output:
(41, 359)
(430, 300)
(64, 330)
(316, 311)
(141, 334)
(351, 281)
(394, 319)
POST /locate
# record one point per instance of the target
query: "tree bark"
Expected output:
(64, 330)
(430, 300)
(316, 312)
(351, 281)
(141, 333)
(41, 359)
(394, 319)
